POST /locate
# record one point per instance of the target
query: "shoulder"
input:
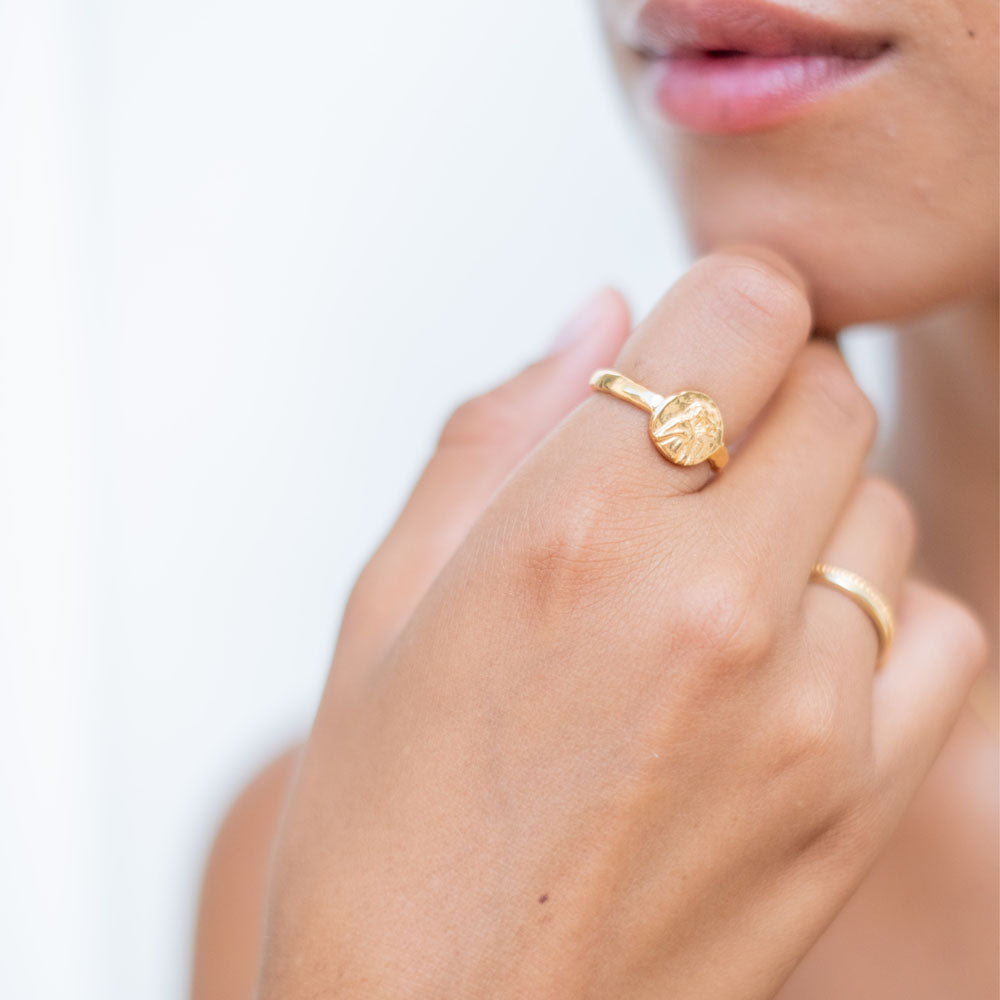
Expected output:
(231, 910)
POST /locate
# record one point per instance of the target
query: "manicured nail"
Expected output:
(582, 322)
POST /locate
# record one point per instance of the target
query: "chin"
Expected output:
(869, 252)
(865, 283)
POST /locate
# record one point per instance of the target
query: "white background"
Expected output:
(221, 224)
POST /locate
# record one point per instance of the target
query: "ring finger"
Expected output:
(874, 538)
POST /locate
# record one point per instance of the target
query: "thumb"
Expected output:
(482, 442)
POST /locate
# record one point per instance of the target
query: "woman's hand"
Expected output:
(620, 747)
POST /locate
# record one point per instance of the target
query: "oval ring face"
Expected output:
(687, 427)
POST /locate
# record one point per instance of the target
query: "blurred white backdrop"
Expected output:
(215, 216)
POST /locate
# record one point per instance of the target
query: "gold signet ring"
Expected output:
(685, 427)
(859, 590)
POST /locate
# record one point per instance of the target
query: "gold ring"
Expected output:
(685, 427)
(859, 590)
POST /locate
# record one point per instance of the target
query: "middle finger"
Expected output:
(729, 328)
(797, 469)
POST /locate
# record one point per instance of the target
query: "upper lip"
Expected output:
(751, 27)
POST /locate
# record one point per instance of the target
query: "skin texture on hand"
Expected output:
(618, 746)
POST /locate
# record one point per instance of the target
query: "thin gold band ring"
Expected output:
(859, 590)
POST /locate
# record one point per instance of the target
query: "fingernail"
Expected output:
(581, 322)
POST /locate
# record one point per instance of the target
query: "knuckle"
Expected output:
(855, 819)
(829, 384)
(723, 618)
(892, 508)
(748, 284)
(570, 556)
(811, 721)
(850, 830)
(481, 421)
(821, 758)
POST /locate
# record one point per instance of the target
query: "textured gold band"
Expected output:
(859, 590)
(686, 428)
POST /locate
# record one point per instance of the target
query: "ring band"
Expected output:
(686, 428)
(859, 590)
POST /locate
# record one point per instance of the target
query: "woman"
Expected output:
(592, 728)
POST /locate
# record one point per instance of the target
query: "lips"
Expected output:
(741, 65)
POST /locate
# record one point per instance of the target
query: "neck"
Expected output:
(943, 452)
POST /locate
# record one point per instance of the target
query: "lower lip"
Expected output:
(741, 93)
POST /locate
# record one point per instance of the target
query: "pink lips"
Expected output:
(736, 66)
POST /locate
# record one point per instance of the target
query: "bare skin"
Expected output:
(931, 902)
(921, 921)
(951, 358)
(859, 918)
(933, 881)
(231, 915)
